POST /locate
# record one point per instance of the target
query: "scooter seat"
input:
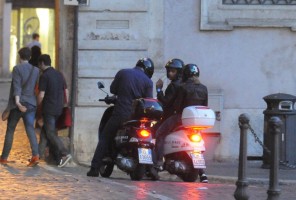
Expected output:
(131, 123)
(178, 128)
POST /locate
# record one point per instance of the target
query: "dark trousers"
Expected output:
(106, 137)
(48, 132)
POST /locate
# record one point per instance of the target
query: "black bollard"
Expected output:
(242, 183)
(275, 129)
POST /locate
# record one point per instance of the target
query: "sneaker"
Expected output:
(93, 172)
(65, 160)
(3, 161)
(204, 178)
(33, 161)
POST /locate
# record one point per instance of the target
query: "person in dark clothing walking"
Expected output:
(128, 85)
(52, 87)
(36, 52)
(191, 92)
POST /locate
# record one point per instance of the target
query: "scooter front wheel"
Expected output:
(106, 170)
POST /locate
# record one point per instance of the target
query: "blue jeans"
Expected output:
(28, 118)
(49, 133)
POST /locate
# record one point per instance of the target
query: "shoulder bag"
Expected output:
(65, 119)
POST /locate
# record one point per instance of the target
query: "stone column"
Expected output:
(5, 31)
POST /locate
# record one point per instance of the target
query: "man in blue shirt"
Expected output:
(35, 41)
(128, 85)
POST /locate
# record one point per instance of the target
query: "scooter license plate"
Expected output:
(198, 161)
(145, 156)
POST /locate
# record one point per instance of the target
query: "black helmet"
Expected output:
(175, 64)
(190, 70)
(147, 65)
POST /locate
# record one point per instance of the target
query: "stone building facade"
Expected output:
(245, 51)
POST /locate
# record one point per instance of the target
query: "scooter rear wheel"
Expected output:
(190, 176)
(138, 173)
(152, 173)
(106, 170)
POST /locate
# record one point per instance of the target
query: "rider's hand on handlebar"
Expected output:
(110, 100)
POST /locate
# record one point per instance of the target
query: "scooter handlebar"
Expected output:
(109, 99)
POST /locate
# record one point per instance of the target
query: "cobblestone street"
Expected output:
(50, 182)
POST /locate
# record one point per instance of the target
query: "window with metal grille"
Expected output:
(228, 14)
(259, 2)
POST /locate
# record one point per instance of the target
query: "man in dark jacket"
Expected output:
(167, 99)
(128, 85)
(174, 73)
(191, 92)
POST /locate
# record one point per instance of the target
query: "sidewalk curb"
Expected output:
(168, 177)
(252, 181)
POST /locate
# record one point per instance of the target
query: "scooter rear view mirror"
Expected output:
(101, 85)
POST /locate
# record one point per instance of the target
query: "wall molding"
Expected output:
(217, 16)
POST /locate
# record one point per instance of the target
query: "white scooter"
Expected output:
(184, 147)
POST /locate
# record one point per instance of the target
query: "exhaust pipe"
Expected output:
(125, 164)
(177, 167)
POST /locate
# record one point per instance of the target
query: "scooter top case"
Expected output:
(198, 117)
(147, 108)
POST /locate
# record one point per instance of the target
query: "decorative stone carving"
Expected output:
(110, 36)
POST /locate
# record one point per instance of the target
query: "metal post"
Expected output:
(275, 129)
(242, 183)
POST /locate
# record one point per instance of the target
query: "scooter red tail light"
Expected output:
(144, 133)
(195, 137)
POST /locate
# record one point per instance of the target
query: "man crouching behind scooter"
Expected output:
(191, 92)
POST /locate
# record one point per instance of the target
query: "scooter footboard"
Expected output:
(198, 160)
